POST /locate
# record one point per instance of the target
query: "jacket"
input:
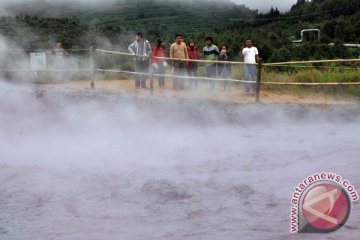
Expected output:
(193, 54)
(158, 52)
(135, 48)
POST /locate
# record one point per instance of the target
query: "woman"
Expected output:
(192, 67)
(159, 64)
(225, 68)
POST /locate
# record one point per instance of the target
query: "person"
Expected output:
(251, 57)
(59, 51)
(193, 53)
(158, 63)
(211, 53)
(178, 50)
(60, 55)
(224, 69)
(141, 48)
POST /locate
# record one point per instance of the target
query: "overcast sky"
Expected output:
(264, 5)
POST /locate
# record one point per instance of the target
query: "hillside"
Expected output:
(83, 25)
(159, 17)
(39, 24)
(165, 18)
(274, 32)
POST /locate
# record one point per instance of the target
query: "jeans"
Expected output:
(180, 70)
(250, 74)
(211, 73)
(59, 68)
(140, 79)
(161, 70)
(193, 72)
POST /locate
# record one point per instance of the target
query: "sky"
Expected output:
(264, 5)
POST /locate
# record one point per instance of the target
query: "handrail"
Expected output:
(312, 61)
(175, 59)
(171, 75)
(43, 50)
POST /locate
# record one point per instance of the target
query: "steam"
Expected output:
(97, 164)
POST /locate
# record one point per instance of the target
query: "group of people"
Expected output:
(179, 52)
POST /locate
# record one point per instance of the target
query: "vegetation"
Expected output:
(272, 32)
(228, 23)
(315, 76)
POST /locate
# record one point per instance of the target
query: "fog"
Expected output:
(261, 5)
(107, 164)
(103, 165)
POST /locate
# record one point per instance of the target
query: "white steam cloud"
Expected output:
(83, 164)
(94, 165)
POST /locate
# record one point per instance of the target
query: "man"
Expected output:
(211, 53)
(251, 57)
(59, 51)
(141, 48)
(60, 55)
(178, 50)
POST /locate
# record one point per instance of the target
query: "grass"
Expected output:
(315, 76)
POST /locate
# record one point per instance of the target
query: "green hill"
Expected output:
(113, 26)
(35, 24)
(165, 18)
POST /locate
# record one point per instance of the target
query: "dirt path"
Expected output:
(234, 94)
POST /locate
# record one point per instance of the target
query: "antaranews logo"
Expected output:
(321, 203)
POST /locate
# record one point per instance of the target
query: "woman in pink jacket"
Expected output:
(159, 64)
(192, 67)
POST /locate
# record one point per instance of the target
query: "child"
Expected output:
(224, 69)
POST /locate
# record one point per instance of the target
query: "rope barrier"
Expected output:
(176, 59)
(175, 76)
(43, 50)
(318, 67)
(313, 61)
(46, 70)
(312, 84)
(151, 74)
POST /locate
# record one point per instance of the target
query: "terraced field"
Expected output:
(165, 18)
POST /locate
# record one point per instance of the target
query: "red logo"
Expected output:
(325, 207)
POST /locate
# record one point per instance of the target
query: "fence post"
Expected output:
(258, 81)
(92, 68)
(151, 75)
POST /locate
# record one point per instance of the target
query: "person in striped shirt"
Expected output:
(141, 48)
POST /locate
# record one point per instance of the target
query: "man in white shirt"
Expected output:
(60, 56)
(251, 57)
